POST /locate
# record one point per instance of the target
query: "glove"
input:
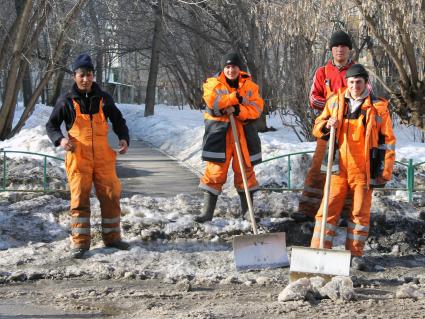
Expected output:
(240, 98)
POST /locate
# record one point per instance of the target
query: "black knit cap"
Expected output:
(231, 58)
(340, 38)
(357, 70)
(83, 61)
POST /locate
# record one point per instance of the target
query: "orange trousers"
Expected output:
(92, 162)
(216, 173)
(314, 183)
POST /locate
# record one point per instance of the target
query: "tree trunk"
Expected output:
(154, 65)
(57, 53)
(10, 93)
(60, 75)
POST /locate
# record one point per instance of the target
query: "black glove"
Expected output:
(240, 98)
(237, 110)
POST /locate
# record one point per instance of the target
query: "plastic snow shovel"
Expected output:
(308, 262)
(256, 251)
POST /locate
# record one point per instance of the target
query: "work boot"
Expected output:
(78, 253)
(121, 245)
(210, 200)
(244, 204)
(359, 263)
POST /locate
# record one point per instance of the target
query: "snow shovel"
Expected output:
(309, 262)
(256, 251)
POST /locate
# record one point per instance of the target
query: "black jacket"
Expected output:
(89, 104)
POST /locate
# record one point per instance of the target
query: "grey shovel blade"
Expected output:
(307, 262)
(260, 251)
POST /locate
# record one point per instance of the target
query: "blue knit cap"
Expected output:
(83, 61)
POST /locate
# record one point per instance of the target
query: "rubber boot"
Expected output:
(244, 204)
(210, 200)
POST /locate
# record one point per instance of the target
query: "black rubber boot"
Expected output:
(210, 200)
(244, 204)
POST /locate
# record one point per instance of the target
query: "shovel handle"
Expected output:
(327, 187)
(242, 167)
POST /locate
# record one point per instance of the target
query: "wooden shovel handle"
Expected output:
(327, 187)
(242, 167)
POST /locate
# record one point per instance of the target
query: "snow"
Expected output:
(35, 229)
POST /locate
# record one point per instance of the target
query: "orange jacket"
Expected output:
(218, 95)
(379, 148)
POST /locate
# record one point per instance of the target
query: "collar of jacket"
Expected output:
(243, 76)
(342, 68)
(96, 91)
(342, 100)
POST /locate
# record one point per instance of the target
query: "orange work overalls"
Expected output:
(92, 161)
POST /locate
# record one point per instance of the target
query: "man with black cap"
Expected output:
(231, 91)
(327, 80)
(86, 109)
(363, 160)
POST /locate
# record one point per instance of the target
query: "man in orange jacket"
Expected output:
(327, 80)
(364, 158)
(85, 109)
(231, 91)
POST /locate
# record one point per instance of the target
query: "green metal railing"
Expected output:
(45, 184)
(410, 175)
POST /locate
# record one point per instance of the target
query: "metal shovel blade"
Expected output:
(307, 262)
(260, 251)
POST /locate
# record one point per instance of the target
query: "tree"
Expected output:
(399, 28)
(24, 34)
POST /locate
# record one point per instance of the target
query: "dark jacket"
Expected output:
(64, 112)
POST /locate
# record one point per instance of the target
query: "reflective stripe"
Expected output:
(390, 147)
(313, 190)
(208, 154)
(111, 220)
(217, 99)
(256, 106)
(327, 237)
(335, 168)
(249, 93)
(209, 189)
(358, 227)
(255, 157)
(111, 230)
(222, 92)
(356, 237)
(252, 188)
(215, 105)
(331, 227)
(306, 199)
(80, 230)
(80, 220)
(378, 119)
(333, 104)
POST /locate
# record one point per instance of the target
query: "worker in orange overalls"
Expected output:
(363, 160)
(327, 80)
(90, 160)
(231, 91)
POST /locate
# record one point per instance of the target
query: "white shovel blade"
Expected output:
(260, 251)
(320, 261)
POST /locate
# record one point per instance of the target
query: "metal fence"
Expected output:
(409, 188)
(45, 186)
(410, 175)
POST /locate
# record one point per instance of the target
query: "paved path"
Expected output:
(146, 171)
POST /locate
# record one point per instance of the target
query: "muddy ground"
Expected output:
(154, 298)
(188, 272)
(43, 285)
